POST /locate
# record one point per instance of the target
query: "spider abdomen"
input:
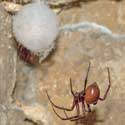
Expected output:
(92, 94)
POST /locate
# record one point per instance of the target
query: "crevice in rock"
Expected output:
(13, 92)
(64, 5)
(31, 121)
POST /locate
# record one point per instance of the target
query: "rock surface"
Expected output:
(97, 35)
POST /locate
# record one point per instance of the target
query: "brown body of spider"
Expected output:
(88, 96)
(26, 54)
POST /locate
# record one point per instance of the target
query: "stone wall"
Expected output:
(92, 32)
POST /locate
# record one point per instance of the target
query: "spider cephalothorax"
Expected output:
(89, 95)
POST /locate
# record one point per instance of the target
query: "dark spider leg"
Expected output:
(59, 107)
(74, 118)
(58, 114)
(78, 118)
(71, 89)
(89, 108)
(67, 118)
(70, 117)
(77, 108)
(105, 95)
(86, 78)
(83, 108)
(78, 115)
(65, 114)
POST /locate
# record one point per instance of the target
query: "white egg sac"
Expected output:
(36, 27)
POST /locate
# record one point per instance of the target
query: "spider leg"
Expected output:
(58, 114)
(73, 117)
(105, 95)
(76, 117)
(70, 117)
(65, 114)
(89, 108)
(83, 108)
(71, 89)
(59, 107)
(86, 78)
(67, 118)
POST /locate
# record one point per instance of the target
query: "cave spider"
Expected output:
(89, 95)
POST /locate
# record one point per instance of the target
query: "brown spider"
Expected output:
(89, 95)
